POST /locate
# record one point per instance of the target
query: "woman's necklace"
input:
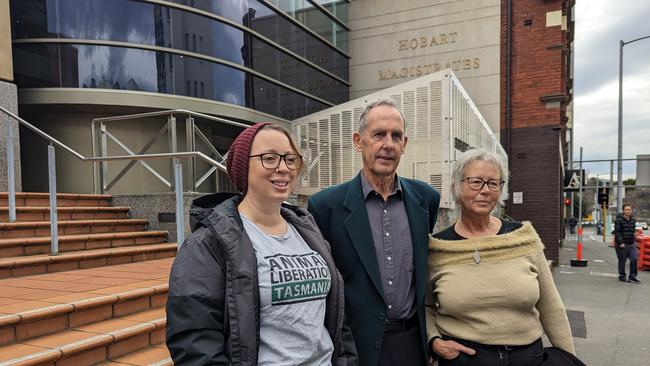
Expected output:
(477, 254)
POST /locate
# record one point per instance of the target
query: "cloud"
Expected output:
(598, 31)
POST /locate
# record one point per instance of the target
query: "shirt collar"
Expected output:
(366, 188)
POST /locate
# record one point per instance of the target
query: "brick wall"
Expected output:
(535, 171)
(540, 93)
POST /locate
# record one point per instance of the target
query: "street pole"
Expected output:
(572, 214)
(619, 186)
(619, 168)
(580, 200)
(579, 262)
(604, 222)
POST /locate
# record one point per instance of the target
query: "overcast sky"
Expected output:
(600, 24)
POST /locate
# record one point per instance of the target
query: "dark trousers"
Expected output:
(486, 355)
(403, 347)
(630, 251)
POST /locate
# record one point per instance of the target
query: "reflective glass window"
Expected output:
(87, 66)
(261, 18)
(275, 100)
(145, 23)
(33, 19)
(314, 19)
(289, 70)
(36, 66)
(282, 31)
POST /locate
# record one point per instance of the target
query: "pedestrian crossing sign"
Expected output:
(572, 180)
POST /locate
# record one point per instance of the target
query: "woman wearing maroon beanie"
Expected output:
(255, 283)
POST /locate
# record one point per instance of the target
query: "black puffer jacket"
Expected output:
(624, 230)
(213, 308)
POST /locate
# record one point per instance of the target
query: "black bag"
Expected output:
(554, 356)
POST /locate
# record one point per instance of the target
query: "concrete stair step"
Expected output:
(38, 264)
(63, 199)
(92, 343)
(36, 213)
(70, 227)
(36, 306)
(156, 355)
(14, 247)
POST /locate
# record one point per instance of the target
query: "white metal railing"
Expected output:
(53, 142)
(102, 135)
(441, 121)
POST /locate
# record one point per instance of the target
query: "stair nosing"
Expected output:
(160, 362)
(98, 222)
(25, 261)
(86, 196)
(45, 352)
(4, 209)
(9, 242)
(70, 223)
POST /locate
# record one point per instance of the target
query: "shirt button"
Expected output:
(387, 234)
(390, 283)
(385, 211)
(389, 258)
(390, 306)
(381, 316)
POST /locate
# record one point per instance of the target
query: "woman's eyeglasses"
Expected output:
(272, 160)
(476, 183)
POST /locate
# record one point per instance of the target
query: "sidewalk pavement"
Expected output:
(610, 319)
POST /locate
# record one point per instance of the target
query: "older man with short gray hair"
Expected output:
(378, 225)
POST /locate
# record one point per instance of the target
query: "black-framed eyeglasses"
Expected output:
(476, 183)
(272, 160)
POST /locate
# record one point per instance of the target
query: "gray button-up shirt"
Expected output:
(391, 234)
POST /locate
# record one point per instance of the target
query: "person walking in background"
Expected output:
(378, 225)
(255, 283)
(624, 228)
(573, 222)
(490, 295)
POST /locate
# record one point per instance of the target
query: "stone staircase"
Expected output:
(99, 301)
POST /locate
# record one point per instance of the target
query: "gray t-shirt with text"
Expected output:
(294, 281)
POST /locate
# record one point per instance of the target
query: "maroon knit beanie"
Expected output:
(237, 160)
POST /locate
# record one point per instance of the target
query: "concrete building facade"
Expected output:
(395, 41)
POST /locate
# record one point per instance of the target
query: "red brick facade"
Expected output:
(535, 93)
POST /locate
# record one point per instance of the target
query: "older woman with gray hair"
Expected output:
(491, 295)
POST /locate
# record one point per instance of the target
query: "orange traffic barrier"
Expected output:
(643, 244)
(579, 261)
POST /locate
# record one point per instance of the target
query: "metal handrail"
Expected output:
(170, 111)
(192, 131)
(180, 223)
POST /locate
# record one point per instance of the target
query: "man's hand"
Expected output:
(450, 349)
(621, 245)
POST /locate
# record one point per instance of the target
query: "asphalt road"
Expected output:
(616, 326)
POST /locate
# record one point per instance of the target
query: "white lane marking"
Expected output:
(602, 274)
(599, 261)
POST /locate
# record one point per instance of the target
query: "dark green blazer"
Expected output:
(340, 213)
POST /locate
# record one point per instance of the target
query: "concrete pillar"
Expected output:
(8, 99)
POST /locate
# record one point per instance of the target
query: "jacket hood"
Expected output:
(202, 207)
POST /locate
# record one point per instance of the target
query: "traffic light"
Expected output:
(567, 201)
(603, 196)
